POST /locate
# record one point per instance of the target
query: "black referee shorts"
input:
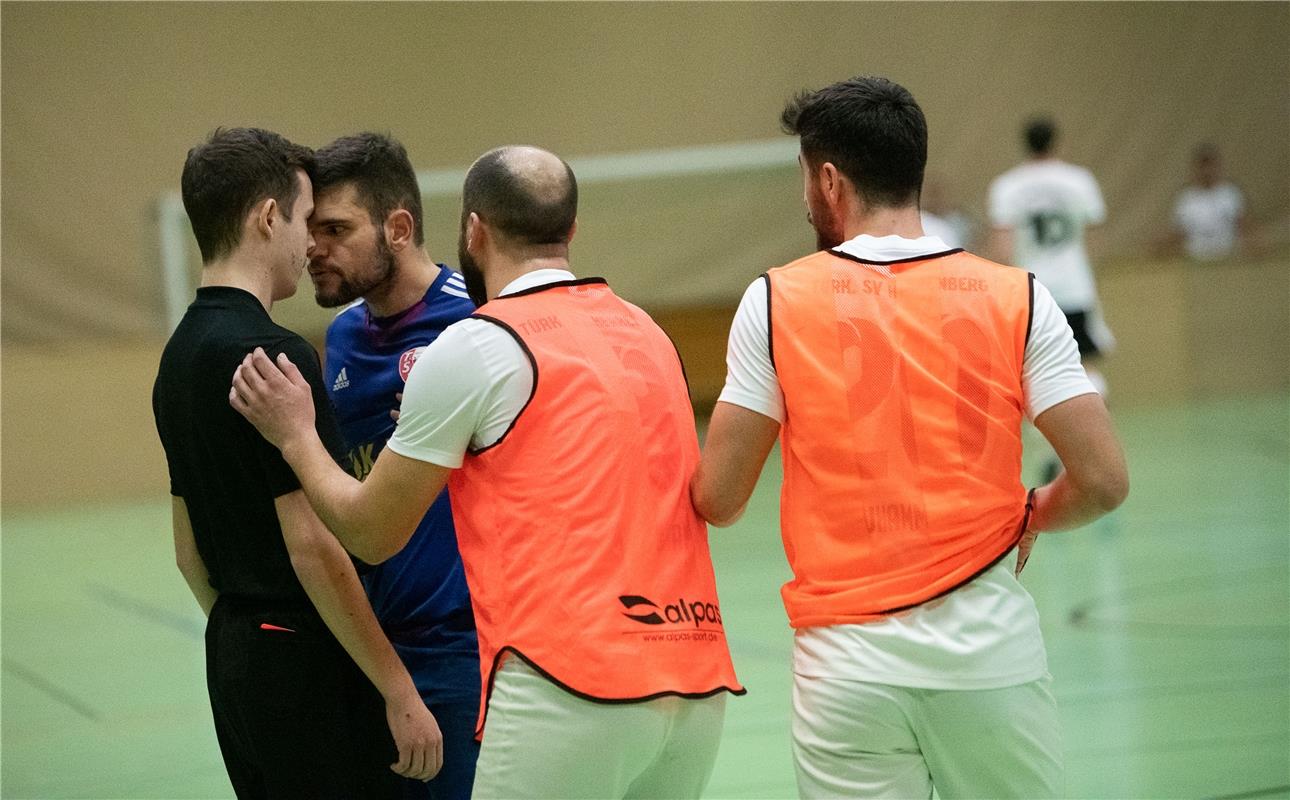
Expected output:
(1079, 322)
(295, 717)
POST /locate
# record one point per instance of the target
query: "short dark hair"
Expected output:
(1039, 134)
(225, 176)
(871, 129)
(379, 167)
(1204, 153)
(512, 203)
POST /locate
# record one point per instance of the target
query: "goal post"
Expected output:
(666, 226)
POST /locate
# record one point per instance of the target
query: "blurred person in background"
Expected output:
(1040, 211)
(560, 418)
(369, 256)
(1209, 220)
(290, 634)
(895, 372)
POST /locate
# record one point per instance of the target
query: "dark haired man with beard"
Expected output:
(895, 371)
(368, 252)
(562, 415)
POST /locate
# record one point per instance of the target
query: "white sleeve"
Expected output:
(1095, 212)
(1051, 371)
(751, 381)
(464, 392)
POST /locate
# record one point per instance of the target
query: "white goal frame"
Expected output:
(175, 236)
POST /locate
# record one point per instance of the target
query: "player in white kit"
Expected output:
(1039, 211)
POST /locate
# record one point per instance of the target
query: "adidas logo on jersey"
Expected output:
(342, 380)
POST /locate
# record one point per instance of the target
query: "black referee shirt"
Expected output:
(227, 474)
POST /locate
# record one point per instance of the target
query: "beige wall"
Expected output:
(78, 425)
(102, 100)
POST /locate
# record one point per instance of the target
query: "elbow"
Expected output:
(375, 548)
(1110, 491)
(713, 511)
(722, 518)
(307, 565)
(373, 553)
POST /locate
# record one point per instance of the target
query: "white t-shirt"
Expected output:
(981, 636)
(468, 387)
(1047, 204)
(1208, 220)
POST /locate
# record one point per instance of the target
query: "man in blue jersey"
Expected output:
(368, 252)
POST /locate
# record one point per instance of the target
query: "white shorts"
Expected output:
(857, 739)
(542, 741)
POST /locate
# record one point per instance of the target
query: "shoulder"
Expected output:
(451, 294)
(293, 344)
(349, 318)
(475, 334)
(1083, 174)
(806, 262)
(979, 262)
(473, 355)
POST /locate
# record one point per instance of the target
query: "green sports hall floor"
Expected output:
(1168, 630)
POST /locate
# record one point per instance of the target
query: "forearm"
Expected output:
(715, 508)
(1095, 480)
(737, 444)
(329, 579)
(199, 585)
(1063, 504)
(336, 496)
(188, 559)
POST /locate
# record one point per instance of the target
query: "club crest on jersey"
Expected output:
(407, 360)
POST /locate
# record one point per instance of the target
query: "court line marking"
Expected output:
(53, 690)
(191, 627)
(1271, 790)
(1081, 615)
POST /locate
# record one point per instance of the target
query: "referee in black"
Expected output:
(297, 667)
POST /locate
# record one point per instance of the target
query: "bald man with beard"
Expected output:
(559, 416)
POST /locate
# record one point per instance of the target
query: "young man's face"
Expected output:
(350, 256)
(296, 240)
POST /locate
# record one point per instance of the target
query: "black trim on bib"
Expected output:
(1030, 313)
(532, 361)
(613, 701)
(553, 285)
(1021, 531)
(841, 254)
(684, 375)
(770, 330)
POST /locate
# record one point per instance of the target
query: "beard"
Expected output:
(471, 272)
(828, 228)
(381, 269)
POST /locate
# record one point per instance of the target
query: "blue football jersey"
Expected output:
(420, 594)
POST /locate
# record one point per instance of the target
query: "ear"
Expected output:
(830, 181)
(572, 230)
(399, 230)
(475, 234)
(265, 217)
